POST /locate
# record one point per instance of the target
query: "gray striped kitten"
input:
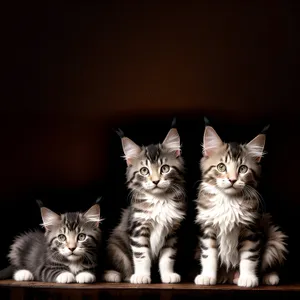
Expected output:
(66, 252)
(238, 243)
(148, 228)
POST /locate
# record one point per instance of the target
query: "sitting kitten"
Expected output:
(148, 227)
(235, 235)
(65, 253)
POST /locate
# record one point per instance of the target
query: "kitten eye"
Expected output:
(144, 171)
(81, 237)
(221, 167)
(243, 169)
(165, 169)
(61, 237)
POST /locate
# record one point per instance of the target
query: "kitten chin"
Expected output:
(74, 258)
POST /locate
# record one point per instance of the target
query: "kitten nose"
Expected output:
(232, 181)
(156, 181)
(72, 249)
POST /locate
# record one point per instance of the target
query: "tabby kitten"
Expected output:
(65, 253)
(235, 236)
(148, 227)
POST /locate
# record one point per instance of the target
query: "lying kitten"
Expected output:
(147, 230)
(235, 235)
(66, 252)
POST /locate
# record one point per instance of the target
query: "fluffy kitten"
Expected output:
(147, 230)
(65, 253)
(235, 235)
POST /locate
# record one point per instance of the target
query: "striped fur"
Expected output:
(148, 227)
(237, 240)
(66, 252)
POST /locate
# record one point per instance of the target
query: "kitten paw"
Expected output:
(140, 278)
(236, 277)
(23, 275)
(205, 280)
(85, 277)
(271, 279)
(248, 281)
(112, 276)
(170, 278)
(65, 277)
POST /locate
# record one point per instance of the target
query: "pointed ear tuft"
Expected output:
(172, 142)
(206, 122)
(120, 133)
(93, 214)
(40, 203)
(49, 217)
(265, 129)
(256, 147)
(211, 141)
(131, 150)
(173, 125)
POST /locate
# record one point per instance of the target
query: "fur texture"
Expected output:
(237, 240)
(66, 252)
(147, 231)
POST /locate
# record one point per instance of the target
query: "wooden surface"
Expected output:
(127, 286)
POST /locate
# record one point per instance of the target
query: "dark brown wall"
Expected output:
(74, 72)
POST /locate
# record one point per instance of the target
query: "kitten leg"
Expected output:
(85, 277)
(209, 258)
(167, 260)
(249, 258)
(141, 258)
(23, 275)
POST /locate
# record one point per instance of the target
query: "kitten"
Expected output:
(148, 227)
(65, 253)
(235, 235)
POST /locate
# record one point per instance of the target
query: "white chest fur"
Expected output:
(75, 268)
(163, 215)
(227, 216)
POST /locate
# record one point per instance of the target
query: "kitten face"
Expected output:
(72, 235)
(154, 169)
(230, 167)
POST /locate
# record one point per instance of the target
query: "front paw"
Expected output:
(65, 277)
(170, 278)
(140, 278)
(271, 279)
(23, 275)
(85, 277)
(205, 280)
(112, 276)
(248, 281)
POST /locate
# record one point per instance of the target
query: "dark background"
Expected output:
(75, 71)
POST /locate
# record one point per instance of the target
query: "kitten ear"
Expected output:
(172, 141)
(211, 141)
(131, 150)
(256, 147)
(93, 214)
(49, 217)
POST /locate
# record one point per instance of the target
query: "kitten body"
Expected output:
(65, 253)
(238, 242)
(148, 228)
